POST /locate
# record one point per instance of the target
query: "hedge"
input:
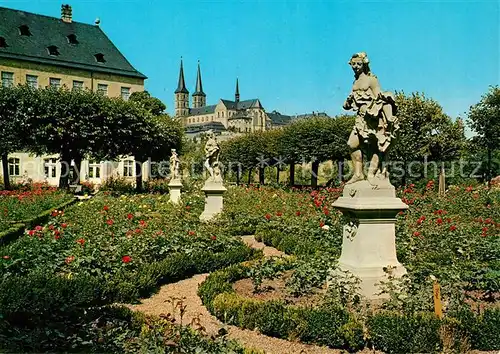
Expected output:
(331, 326)
(18, 228)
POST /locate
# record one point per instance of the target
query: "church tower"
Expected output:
(237, 93)
(181, 96)
(199, 97)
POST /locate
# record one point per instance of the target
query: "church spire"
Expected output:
(181, 86)
(237, 93)
(199, 97)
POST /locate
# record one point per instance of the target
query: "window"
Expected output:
(128, 168)
(72, 39)
(77, 85)
(14, 166)
(99, 57)
(94, 169)
(54, 82)
(3, 43)
(24, 30)
(49, 166)
(125, 92)
(32, 81)
(102, 89)
(7, 79)
(53, 50)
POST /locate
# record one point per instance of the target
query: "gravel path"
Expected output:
(196, 314)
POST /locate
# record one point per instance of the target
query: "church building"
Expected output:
(238, 116)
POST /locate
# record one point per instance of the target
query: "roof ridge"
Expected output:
(47, 16)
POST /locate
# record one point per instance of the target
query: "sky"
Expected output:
(293, 55)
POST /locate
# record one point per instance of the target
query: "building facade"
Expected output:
(45, 51)
(237, 116)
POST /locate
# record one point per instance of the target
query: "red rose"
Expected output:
(453, 228)
(213, 237)
(439, 221)
(321, 224)
(31, 232)
(297, 213)
(279, 213)
(188, 207)
(81, 241)
(416, 234)
(38, 228)
(130, 216)
(268, 216)
(191, 233)
(110, 222)
(69, 259)
(126, 259)
(106, 208)
(64, 225)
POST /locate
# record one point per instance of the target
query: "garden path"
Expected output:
(196, 314)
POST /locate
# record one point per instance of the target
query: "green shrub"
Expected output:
(489, 331)
(271, 319)
(395, 333)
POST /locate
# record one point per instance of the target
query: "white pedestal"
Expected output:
(369, 240)
(213, 199)
(174, 188)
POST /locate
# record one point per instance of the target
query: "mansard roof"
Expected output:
(79, 45)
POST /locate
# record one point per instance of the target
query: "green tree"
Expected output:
(484, 119)
(426, 134)
(151, 104)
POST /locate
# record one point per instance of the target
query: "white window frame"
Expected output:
(7, 79)
(128, 168)
(54, 82)
(94, 170)
(125, 92)
(32, 80)
(102, 89)
(14, 166)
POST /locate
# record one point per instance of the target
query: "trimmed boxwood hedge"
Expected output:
(331, 326)
(335, 327)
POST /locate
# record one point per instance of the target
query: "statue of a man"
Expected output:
(212, 151)
(376, 123)
(175, 163)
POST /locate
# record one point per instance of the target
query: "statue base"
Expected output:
(369, 238)
(213, 199)
(174, 188)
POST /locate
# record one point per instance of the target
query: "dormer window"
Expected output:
(53, 50)
(72, 39)
(24, 30)
(3, 43)
(99, 57)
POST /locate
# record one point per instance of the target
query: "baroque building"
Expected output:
(46, 51)
(238, 116)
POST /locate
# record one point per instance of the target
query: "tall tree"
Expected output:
(484, 119)
(10, 136)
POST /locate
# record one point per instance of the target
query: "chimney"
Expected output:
(66, 13)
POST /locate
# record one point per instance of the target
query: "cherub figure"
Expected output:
(376, 123)
(175, 163)
(212, 151)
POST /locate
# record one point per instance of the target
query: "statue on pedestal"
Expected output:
(175, 163)
(212, 151)
(376, 122)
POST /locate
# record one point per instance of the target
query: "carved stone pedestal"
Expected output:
(213, 199)
(369, 243)
(174, 188)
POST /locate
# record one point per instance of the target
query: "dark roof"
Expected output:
(240, 115)
(202, 127)
(202, 110)
(181, 86)
(279, 119)
(50, 31)
(199, 86)
(242, 104)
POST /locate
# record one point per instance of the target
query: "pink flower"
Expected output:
(69, 259)
(213, 237)
(110, 222)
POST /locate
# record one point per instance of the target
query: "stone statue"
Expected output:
(175, 163)
(376, 122)
(212, 151)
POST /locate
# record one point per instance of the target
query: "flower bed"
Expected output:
(106, 250)
(19, 206)
(453, 239)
